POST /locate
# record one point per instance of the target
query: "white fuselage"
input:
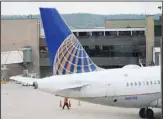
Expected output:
(139, 87)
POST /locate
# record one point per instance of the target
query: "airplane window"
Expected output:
(127, 84)
(155, 82)
(135, 84)
(151, 82)
(139, 83)
(147, 83)
(158, 82)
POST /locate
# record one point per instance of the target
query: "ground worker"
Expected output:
(66, 103)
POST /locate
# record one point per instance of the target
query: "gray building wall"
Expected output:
(16, 34)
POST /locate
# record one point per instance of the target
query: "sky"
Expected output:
(105, 8)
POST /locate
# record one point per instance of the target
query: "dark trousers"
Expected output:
(65, 104)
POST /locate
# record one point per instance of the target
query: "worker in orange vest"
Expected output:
(66, 103)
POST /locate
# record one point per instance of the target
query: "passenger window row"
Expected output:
(142, 83)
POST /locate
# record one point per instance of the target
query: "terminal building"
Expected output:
(118, 43)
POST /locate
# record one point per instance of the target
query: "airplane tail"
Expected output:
(67, 55)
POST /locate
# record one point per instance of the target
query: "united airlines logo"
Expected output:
(72, 58)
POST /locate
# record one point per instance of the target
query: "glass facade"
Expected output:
(108, 49)
(115, 51)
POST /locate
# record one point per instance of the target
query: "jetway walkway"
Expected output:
(14, 57)
(11, 57)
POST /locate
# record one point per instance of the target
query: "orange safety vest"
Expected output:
(66, 101)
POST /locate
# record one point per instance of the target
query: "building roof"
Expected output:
(113, 29)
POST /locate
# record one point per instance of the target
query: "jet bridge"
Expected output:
(11, 57)
(14, 58)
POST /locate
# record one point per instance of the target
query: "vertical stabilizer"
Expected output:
(66, 53)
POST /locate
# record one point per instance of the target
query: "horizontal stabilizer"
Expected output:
(71, 91)
(74, 87)
(23, 80)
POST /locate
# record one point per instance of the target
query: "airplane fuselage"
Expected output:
(138, 87)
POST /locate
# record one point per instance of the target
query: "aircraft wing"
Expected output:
(23, 80)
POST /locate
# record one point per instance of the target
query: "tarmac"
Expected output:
(21, 102)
